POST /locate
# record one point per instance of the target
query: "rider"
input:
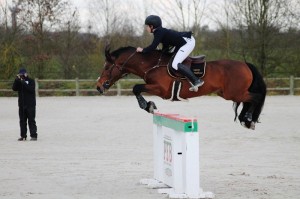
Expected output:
(183, 42)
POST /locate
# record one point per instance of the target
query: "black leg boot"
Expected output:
(196, 82)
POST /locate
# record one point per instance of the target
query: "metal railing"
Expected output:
(288, 85)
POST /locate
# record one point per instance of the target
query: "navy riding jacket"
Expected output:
(168, 38)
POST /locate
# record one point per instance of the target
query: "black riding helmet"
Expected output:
(153, 20)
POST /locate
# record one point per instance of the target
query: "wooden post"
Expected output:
(77, 86)
(118, 88)
(36, 87)
(292, 86)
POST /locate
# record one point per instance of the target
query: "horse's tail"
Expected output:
(258, 90)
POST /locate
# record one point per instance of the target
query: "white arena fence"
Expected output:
(287, 86)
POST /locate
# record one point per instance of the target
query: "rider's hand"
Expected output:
(139, 49)
(18, 78)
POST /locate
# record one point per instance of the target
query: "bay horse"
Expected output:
(232, 80)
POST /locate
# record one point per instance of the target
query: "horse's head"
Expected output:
(114, 67)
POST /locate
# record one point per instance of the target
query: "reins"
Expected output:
(127, 60)
(119, 67)
(154, 67)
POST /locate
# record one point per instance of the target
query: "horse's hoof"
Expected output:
(248, 125)
(150, 107)
(243, 124)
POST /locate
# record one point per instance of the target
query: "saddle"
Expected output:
(197, 64)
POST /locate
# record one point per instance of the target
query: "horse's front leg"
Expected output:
(147, 106)
(137, 90)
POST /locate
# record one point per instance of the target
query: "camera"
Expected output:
(21, 76)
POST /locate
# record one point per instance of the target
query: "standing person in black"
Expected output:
(27, 104)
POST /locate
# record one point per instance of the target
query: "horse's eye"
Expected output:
(107, 65)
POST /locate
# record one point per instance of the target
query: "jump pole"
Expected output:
(176, 157)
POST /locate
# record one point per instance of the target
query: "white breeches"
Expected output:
(184, 51)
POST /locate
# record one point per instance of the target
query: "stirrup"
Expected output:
(195, 87)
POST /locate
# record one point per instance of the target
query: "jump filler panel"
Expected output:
(176, 157)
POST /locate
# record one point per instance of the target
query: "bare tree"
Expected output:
(180, 14)
(259, 23)
(4, 15)
(10, 57)
(221, 16)
(14, 12)
(40, 17)
(67, 44)
(106, 15)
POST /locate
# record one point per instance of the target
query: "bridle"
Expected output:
(120, 68)
(107, 83)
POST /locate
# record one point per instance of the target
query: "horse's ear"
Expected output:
(107, 47)
(107, 54)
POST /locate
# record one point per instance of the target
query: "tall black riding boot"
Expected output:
(196, 82)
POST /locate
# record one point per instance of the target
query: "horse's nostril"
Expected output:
(99, 89)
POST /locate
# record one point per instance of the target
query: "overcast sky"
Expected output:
(84, 10)
(136, 10)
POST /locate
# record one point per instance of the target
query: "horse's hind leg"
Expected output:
(245, 115)
(259, 101)
(246, 106)
(248, 115)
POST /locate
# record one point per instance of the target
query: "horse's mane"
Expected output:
(121, 50)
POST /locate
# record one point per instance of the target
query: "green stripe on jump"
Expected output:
(185, 127)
